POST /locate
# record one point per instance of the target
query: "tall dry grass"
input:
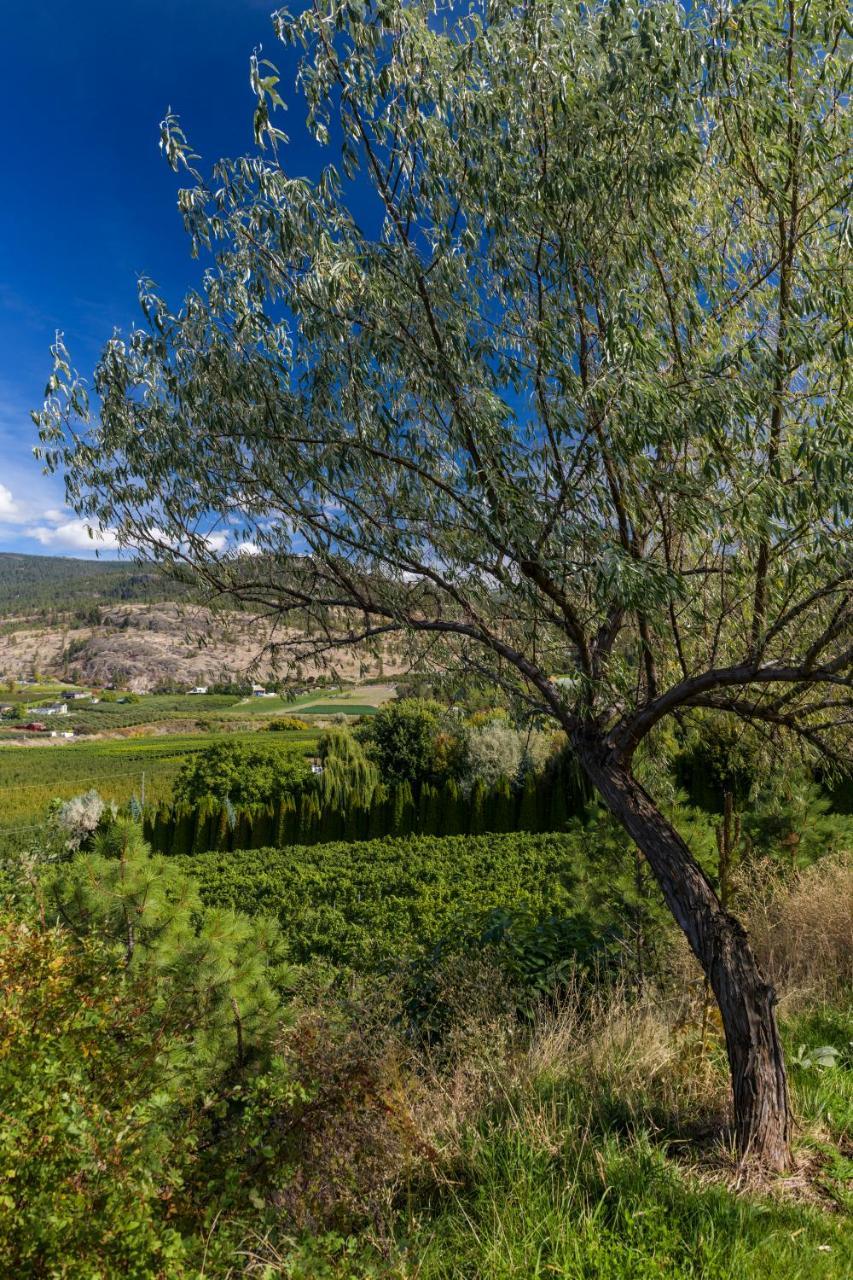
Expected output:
(801, 927)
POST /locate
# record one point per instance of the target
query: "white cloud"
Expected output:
(216, 542)
(73, 535)
(9, 509)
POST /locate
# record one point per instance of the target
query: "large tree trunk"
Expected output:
(746, 1001)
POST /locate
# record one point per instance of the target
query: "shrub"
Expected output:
(491, 751)
(77, 819)
(286, 723)
(89, 1114)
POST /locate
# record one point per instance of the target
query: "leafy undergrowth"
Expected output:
(591, 1148)
(819, 1041)
(179, 1102)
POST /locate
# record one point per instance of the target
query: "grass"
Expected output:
(594, 1143)
(572, 1152)
(554, 1181)
(610, 1209)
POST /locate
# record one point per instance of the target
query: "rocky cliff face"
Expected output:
(143, 646)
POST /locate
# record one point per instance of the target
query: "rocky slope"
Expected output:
(145, 646)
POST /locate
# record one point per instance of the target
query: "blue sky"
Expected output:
(89, 202)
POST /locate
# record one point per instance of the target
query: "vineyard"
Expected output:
(377, 902)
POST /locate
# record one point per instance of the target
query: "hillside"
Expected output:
(101, 622)
(40, 584)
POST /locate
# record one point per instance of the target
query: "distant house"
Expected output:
(62, 733)
(78, 694)
(200, 688)
(55, 709)
(258, 691)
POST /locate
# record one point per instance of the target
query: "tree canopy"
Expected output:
(570, 395)
(576, 393)
(240, 774)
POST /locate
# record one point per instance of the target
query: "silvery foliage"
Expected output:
(563, 388)
(491, 752)
(77, 819)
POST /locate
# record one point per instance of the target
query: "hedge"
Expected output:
(544, 803)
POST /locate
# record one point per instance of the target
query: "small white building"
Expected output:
(200, 688)
(55, 709)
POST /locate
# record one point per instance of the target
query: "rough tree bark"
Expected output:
(747, 1003)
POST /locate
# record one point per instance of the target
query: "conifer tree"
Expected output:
(454, 810)
(477, 809)
(503, 807)
(402, 809)
(380, 818)
(220, 965)
(528, 806)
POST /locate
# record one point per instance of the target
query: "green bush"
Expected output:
(283, 723)
(137, 1069)
(85, 1128)
(241, 774)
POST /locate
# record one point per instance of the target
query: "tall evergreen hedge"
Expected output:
(544, 803)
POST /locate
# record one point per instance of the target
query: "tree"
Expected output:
(567, 396)
(149, 910)
(243, 775)
(348, 775)
(400, 738)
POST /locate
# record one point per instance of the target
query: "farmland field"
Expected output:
(121, 742)
(31, 776)
(206, 710)
(360, 700)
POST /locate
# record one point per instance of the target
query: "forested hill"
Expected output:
(34, 584)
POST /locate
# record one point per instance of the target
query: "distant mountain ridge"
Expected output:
(36, 584)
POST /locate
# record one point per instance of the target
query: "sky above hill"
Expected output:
(89, 200)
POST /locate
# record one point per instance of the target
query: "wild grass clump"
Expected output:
(589, 1140)
(505, 1150)
(801, 927)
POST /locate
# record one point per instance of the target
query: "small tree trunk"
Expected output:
(759, 1081)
